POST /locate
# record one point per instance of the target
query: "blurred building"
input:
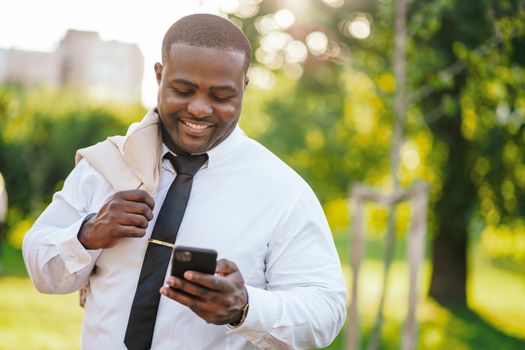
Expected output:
(106, 70)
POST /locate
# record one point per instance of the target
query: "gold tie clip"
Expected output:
(162, 243)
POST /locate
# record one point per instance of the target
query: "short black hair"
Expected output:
(206, 30)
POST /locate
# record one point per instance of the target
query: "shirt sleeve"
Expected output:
(304, 302)
(55, 259)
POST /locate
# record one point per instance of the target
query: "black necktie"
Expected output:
(141, 323)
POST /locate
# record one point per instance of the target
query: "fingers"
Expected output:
(180, 297)
(213, 307)
(125, 214)
(127, 219)
(217, 299)
(139, 196)
(138, 208)
(213, 282)
(218, 282)
(129, 231)
(189, 287)
(125, 202)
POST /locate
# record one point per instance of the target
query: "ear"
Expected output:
(158, 72)
(246, 80)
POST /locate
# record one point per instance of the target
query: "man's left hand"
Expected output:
(218, 299)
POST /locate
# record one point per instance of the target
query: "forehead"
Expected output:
(205, 63)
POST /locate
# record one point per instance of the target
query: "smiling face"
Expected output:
(200, 96)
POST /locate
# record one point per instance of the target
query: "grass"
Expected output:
(31, 320)
(495, 319)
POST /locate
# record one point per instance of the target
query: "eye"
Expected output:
(221, 98)
(181, 92)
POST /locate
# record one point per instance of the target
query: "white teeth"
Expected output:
(195, 126)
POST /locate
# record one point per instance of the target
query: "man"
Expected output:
(278, 282)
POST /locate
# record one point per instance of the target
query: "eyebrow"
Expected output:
(224, 87)
(213, 88)
(185, 82)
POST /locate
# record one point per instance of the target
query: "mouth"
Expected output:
(196, 126)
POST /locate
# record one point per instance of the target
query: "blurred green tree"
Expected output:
(465, 123)
(40, 130)
(474, 108)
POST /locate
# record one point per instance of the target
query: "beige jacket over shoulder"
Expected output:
(128, 162)
(131, 161)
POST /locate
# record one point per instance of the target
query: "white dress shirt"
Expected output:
(246, 204)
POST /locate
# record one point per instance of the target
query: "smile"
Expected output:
(195, 126)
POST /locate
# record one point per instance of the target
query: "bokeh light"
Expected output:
(247, 9)
(317, 42)
(261, 77)
(334, 3)
(265, 24)
(359, 27)
(271, 59)
(296, 52)
(275, 41)
(229, 6)
(410, 155)
(284, 18)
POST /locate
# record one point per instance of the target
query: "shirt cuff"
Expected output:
(72, 252)
(263, 315)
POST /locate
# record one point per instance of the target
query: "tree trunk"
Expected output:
(449, 261)
(449, 275)
(469, 24)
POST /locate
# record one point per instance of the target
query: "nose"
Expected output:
(199, 108)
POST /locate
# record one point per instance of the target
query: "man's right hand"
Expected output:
(125, 214)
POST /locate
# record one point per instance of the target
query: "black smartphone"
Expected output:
(193, 259)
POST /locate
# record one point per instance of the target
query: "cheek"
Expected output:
(170, 100)
(227, 111)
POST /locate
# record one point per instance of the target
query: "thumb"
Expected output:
(225, 267)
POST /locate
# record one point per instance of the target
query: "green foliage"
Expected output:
(464, 132)
(478, 112)
(40, 130)
(334, 125)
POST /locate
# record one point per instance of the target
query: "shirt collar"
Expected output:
(220, 152)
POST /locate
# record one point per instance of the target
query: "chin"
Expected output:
(194, 148)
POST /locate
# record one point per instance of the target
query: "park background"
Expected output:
(322, 98)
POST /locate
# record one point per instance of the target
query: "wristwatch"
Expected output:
(243, 317)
